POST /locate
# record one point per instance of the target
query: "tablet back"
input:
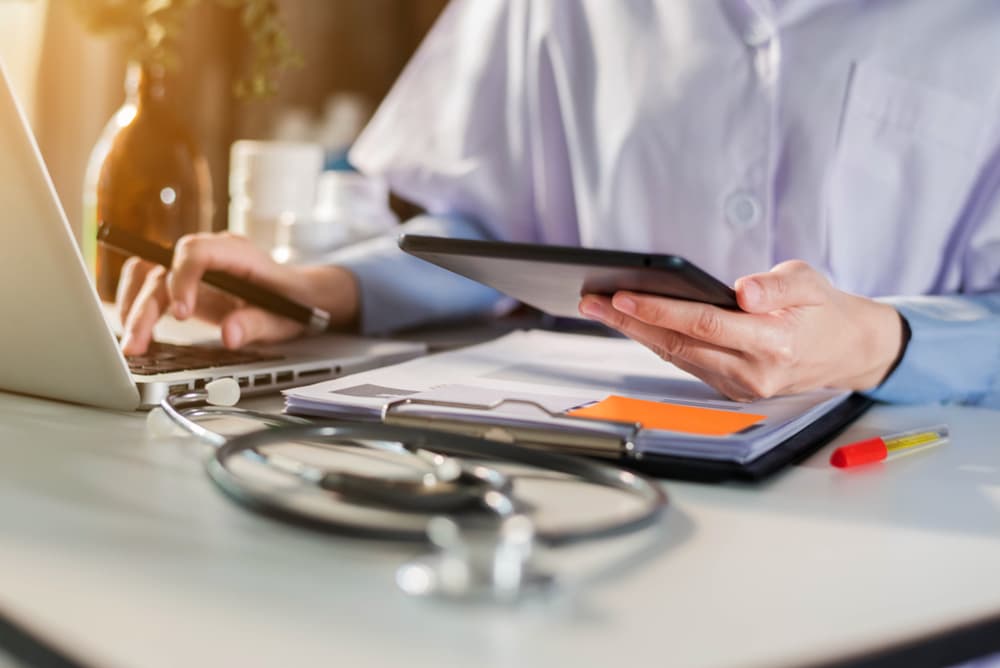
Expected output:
(553, 278)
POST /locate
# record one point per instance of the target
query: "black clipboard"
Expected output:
(789, 452)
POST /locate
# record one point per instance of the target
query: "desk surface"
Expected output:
(116, 548)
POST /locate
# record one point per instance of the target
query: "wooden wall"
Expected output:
(349, 46)
(357, 46)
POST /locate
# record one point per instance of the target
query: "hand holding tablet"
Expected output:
(791, 330)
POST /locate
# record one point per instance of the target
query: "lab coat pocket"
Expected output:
(906, 160)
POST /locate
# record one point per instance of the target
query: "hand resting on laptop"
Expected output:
(148, 291)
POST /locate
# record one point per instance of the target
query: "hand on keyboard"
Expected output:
(147, 291)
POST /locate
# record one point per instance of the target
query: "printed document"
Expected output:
(570, 382)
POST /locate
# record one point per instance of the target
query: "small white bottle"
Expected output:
(350, 207)
(271, 181)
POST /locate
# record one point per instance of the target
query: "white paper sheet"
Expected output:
(557, 372)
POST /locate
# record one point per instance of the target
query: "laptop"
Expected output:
(56, 341)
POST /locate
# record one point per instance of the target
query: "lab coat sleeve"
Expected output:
(449, 137)
(452, 134)
(954, 350)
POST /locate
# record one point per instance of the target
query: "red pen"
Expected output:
(887, 447)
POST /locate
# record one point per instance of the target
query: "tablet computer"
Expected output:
(553, 278)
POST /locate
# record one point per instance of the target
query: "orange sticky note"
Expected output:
(672, 417)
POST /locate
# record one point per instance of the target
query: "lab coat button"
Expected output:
(758, 33)
(742, 210)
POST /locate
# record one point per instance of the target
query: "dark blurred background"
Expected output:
(71, 81)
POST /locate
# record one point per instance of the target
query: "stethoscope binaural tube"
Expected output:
(443, 486)
(182, 410)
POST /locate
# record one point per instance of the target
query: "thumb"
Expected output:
(789, 284)
(254, 325)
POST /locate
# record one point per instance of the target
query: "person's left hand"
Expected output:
(796, 333)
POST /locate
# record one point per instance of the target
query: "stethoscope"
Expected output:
(484, 534)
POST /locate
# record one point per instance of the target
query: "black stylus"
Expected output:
(316, 320)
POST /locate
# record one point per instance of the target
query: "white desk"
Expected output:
(117, 549)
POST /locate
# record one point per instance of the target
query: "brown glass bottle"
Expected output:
(152, 179)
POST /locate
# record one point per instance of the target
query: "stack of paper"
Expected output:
(569, 383)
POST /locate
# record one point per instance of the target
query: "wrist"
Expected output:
(885, 334)
(335, 290)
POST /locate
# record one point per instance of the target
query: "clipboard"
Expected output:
(616, 442)
(571, 405)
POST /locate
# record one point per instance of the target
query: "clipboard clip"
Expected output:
(602, 438)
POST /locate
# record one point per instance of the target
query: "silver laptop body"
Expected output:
(54, 339)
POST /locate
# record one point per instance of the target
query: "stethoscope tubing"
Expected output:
(268, 503)
(470, 488)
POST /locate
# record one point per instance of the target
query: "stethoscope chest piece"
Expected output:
(489, 560)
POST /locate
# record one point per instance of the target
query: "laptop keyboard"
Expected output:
(168, 357)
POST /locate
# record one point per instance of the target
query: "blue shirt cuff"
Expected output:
(398, 290)
(953, 354)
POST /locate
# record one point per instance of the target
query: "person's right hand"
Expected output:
(147, 291)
